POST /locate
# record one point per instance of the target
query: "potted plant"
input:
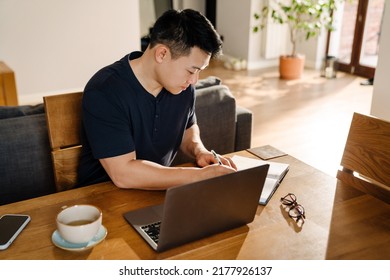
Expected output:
(305, 19)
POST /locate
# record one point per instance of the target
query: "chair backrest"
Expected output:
(366, 159)
(63, 116)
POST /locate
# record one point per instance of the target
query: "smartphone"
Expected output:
(10, 227)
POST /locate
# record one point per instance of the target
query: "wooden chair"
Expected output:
(63, 116)
(366, 159)
(8, 95)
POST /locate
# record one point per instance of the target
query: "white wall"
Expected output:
(380, 106)
(56, 46)
(147, 16)
(314, 50)
(233, 19)
(198, 5)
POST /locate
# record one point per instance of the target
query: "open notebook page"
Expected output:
(276, 173)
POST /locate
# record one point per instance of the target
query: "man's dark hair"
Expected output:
(182, 30)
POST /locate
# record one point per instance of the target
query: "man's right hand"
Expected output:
(215, 170)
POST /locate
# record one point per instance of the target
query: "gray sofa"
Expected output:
(25, 160)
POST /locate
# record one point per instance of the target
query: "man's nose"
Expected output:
(194, 78)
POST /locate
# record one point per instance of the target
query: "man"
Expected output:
(139, 111)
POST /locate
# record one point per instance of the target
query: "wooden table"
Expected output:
(341, 223)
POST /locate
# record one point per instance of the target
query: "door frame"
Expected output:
(354, 67)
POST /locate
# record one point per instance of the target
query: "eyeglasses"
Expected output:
(295, 210)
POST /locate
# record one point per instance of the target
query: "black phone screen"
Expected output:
(9, 225)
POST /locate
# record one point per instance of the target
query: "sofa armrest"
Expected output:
(216, 117)
(224, 126)
(244, 127)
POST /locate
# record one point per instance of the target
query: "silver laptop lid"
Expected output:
(211, 206)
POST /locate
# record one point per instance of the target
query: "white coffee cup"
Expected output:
(79, 223)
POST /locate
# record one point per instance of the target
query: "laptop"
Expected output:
(193, 211)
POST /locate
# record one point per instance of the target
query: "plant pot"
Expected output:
(291, 67)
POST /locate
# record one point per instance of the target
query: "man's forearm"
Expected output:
(147, 175)
(192, 144)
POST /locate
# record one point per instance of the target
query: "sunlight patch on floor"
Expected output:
(308, 118)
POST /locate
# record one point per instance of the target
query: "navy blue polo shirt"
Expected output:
(120, 116)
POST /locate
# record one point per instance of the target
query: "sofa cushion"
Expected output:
(243, 128)
(19, 111)
(25, 165)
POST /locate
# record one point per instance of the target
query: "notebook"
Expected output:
(266, 152)
(191, 212)
(276, 172)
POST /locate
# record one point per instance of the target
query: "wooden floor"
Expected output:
(307, 118)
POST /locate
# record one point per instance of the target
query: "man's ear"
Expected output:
(161, 53)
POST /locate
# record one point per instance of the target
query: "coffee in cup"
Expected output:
(79, 223)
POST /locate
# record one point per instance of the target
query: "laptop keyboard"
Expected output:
(152, 230)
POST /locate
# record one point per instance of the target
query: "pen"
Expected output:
(216, 156)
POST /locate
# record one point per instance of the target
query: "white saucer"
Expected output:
(57, 239)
